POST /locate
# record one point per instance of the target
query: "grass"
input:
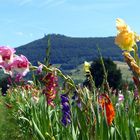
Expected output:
(77, 74)
(8, 127)
(126, 73)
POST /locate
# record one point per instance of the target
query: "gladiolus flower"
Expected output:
(18, 77)
(135, 67)
(66, 118)
(20, 65)
(137, 37)
(86, 66)
(121, 25)
(106, 105)
(50, 81)
(131, 62)
(128, 57)
(125, 40)
(136, 94)
(76, 98)
(6, 57)
(9, 106)
(35, 99)
(39, 69)
(7, 53)
(136, 81)
(120, 97)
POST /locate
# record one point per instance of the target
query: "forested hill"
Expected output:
(70, 51)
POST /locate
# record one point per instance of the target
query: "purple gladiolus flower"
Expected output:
(39, 69)
(136, 94)
(79, 104)
(77, 100)
(75, 96)
(66, 117)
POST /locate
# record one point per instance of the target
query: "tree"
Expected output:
(114, 75)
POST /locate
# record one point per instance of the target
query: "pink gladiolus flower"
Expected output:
(121, 97)
(14, 65)
(20, 65)
(5, 66)
(6, 57)
(18, 78)
(6, 53)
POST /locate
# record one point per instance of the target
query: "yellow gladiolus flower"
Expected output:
(137, 37)
(125, 40)
(128, 57)
(121, 25)
(135, 68)
(131, 62)
(86, 66)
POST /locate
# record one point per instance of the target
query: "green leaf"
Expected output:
(3, 75)
(38, 131)
(73, 133)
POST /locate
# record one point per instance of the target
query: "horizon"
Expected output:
(23, 21)
(62, 35)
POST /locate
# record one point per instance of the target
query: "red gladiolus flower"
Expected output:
(50, 81)
(106, 105)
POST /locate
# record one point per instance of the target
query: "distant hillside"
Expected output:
(70, 51)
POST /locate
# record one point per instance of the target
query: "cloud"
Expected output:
(23, 34)
(98, 6)
(31, 34)
(58, 3)
(19, 33)
(24, 2)
(41, 3)
(52, 3)
(7, 20)
(47, 2)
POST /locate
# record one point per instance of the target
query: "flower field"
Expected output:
(53, 107)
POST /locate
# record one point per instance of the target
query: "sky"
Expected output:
(23, 21)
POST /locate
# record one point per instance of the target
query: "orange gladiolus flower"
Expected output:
(106, 104)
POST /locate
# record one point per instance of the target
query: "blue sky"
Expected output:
(22, 21)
